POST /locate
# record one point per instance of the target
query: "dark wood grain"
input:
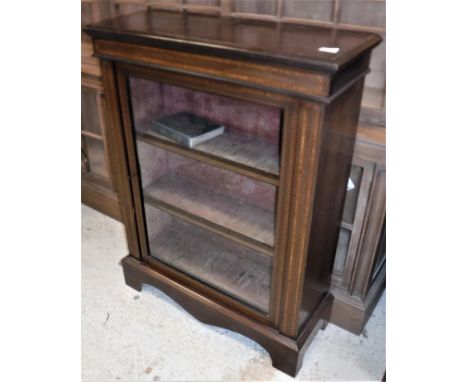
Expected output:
(297, 46)
(119, 161)
(269, 77)
(299, 207)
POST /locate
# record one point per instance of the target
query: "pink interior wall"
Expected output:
(157, 221)
(253, 120)
(153, 163)
(145, 98)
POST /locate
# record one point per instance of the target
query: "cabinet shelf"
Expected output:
(246, 156)
(234, 269)
(226, 215)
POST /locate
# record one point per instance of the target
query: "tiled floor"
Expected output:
(133, 336)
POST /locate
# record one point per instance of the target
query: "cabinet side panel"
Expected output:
(338, 137)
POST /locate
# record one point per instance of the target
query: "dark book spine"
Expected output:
(171, 134)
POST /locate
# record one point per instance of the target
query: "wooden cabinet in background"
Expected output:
(98, 188)
(358, 276)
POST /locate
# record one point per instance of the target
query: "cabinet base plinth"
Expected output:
(286, 353)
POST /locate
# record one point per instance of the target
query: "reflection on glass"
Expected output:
(93, 150)
(210, 209)
(229, 267)
(341, 251)
(263, 7)
(224, 198)
(89, 112)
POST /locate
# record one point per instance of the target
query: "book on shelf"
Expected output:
(186, 128)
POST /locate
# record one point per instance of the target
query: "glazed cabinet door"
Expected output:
(207, 212)
(94, 161)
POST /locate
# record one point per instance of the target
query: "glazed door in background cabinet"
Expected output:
(209, 212)
(94, 163)
(358, 184)
(358, 277)
(98, 189)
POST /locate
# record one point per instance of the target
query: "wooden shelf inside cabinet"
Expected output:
(250, 157)
(226, 215)
(253, 153)
(230, 267)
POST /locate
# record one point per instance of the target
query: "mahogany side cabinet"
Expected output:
(240, 230)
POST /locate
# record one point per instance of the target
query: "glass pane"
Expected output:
(373, 98)
(341, 251)
(352, 194)
(232, 268)
(210, 209)
(219, 197)
(309, 9)
(89, 111)
(251, 131)
(93, 150)
(263, 7)
(363, 12)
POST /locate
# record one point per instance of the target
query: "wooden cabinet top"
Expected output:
(286, 44)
